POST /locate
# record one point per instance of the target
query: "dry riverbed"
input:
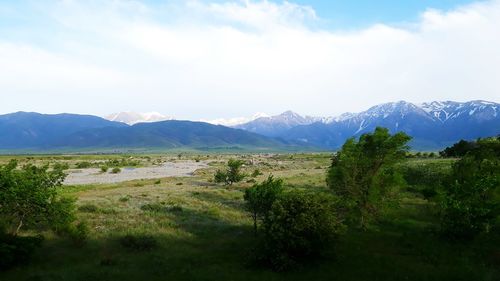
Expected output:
(169, 169)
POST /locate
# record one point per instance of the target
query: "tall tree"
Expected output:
(362, 173)
(260, 198)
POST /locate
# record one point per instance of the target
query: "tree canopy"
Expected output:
(362, 173)
(29, 199)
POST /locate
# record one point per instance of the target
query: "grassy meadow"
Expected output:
(201, 231)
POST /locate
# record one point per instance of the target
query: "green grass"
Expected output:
(202, 232)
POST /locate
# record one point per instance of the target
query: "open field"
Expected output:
(204, 233)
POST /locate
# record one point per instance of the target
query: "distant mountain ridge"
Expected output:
(432, 125)
(34, 131)
(30, 129)
(275, 126)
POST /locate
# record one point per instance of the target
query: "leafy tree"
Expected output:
(469, 205)
(362, 173)
(459, 149)
(260, 198)
(28, 198)
(299, 227)
(232, 174)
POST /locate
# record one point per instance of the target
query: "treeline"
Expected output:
(463, 147)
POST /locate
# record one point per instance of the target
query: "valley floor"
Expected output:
(204, 233)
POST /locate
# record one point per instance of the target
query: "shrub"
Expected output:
(29, 199)
(138, 242)
(83, 165)
(116, 170)
(260, 197)
(104, 169)
(232, 174)
(300, 226)
(256, 173)
(17, 250)
(157, 182)
(60, 166)
(79, 233)
(220, 176)
(469, 206)
(426, 179)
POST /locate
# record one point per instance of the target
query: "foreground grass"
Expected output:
(204, 234)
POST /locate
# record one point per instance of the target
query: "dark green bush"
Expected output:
(256, 173)
(116, 170)
(138, 242)
(29, 199)
(83, 165)
(78, 234)
(300, 227)
(17, 250)
(232, 174)
(469, 205)
(60, 166)
(426, 179)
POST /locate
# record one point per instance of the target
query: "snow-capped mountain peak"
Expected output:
(132, 118)
(230, 122)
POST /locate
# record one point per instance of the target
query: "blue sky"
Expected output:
(364, 12)
(210, 59)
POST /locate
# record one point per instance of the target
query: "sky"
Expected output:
(201, 59)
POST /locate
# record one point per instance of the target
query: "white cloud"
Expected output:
(206, 60)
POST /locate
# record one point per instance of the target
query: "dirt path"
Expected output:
(169, 169)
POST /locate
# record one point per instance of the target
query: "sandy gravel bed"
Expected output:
(169, 169)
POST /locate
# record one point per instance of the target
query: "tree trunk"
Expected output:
(19, 226)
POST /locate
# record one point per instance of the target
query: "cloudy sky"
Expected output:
(198, 59)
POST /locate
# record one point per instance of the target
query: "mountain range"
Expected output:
(432, 125)
(34, 131)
